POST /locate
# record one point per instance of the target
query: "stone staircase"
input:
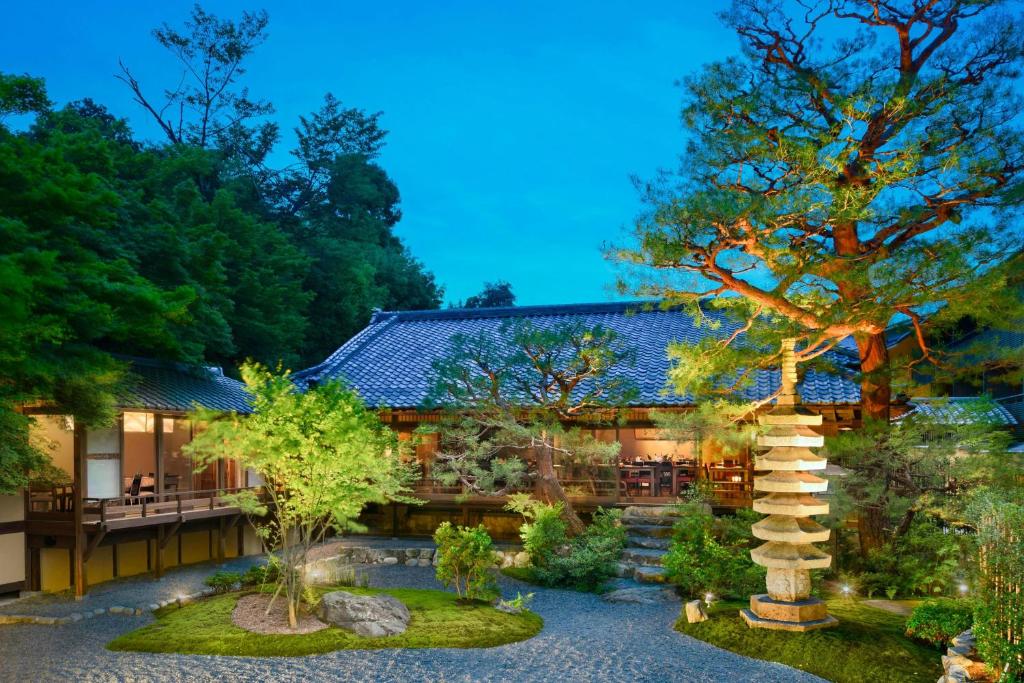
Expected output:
(649, 532)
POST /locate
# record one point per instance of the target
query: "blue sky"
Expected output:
(515, 127)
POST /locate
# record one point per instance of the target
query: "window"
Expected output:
(176, 465)
(103, 463)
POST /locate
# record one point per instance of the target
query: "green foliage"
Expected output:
(939, 621)
(869, 644)
(465, 560)
(508, 397)
(439, 620)
(516, 604)
(592, 555)
(494, 295)
(262, 574)
(850, 166)
(583, 562)
(322, 454)
(544, 532)
(999, 615)
(224, 581)
(917, 465)
(928, 560)
(709, 555)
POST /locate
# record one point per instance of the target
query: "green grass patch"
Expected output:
(205, 628)
(868, 645)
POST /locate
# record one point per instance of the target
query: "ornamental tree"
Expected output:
(920, 465)
(859, 163)
(514, 401)
(322, 455)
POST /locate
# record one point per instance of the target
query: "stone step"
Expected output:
(650, 530)
(624, 570)
(648, 520)
(648, 542)
(650, 574)
(647, 557)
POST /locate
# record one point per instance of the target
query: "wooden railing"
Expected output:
(163, 503)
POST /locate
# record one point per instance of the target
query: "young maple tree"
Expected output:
(858, 164)
(514, 401)
(322, 455)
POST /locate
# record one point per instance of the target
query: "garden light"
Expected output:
(964, 588)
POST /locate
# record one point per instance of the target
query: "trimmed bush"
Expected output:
(465, 559)
(223, 582)
(710, 555)
(260, 574)
(544, 532)
(939, 621)
(592, 555)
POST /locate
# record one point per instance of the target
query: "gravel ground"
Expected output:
(584, 639)
(135, 591)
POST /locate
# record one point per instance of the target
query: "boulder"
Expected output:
(521, 559)
(365, 615)
(695, 612)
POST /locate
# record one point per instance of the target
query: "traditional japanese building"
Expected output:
(129, 499)
(390, 364)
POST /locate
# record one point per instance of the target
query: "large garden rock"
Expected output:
(364, 615)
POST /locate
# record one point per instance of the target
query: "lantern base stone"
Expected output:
(808, 609)
(754, 621)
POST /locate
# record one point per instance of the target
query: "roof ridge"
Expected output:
(651, 305)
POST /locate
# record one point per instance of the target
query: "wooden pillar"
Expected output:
(158, 426)
(78, 500)
(158, 559)
(222, 549)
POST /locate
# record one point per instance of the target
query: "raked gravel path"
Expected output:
(584, 639)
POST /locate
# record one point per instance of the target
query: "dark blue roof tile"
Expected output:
(390, 362)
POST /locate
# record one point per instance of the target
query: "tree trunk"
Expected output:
(876, 381)
(870, 529)
(551, 489)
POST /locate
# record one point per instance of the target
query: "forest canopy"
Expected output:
(191, 247)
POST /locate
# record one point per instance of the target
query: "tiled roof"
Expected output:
(158, 385)
(963, 410)
(389, 362)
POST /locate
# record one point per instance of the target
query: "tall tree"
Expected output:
(513, 401)
(493, 295)
(207, 106)
(69, 291)
(859, 163)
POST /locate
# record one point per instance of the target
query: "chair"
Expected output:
(132, 496)
(171, 482)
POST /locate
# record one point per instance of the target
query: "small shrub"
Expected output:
(222, 581)
(544, 532)
(927, 561)
(465, 558)
(516, 604)
(261, 574)
(592, 555)
(939, 621)
(713, 555)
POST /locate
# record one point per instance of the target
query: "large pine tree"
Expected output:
(858, 164)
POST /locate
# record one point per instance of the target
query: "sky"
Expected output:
(515, 128)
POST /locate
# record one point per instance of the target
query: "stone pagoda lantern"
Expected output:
(788, 529)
